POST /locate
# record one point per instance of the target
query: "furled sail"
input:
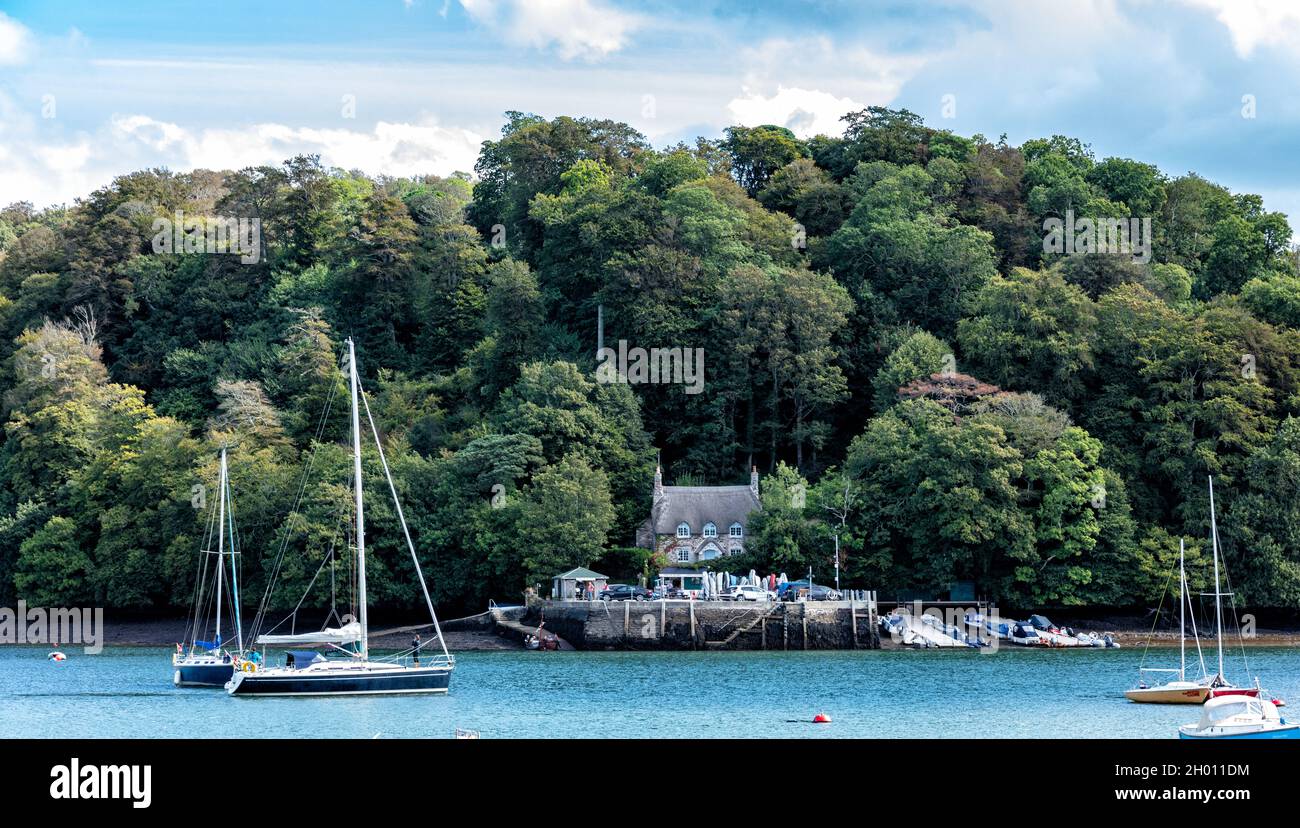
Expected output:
(347, 634)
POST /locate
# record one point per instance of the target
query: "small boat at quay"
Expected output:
(1054, 636)
(925, 631)
(206, 663)
(1035, 632)
(353, 671)
(988, 628)
(1240, 717)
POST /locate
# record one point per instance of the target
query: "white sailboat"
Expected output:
(1179, 690)
(206, 663)
(1219, 684)
(355, 672)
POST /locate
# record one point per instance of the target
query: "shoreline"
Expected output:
(165, 632)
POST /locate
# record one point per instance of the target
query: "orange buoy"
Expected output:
(821, 718)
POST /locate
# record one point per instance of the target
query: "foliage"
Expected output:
(878, 327)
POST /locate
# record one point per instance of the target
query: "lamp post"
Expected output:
(837, 560)
(841, 511)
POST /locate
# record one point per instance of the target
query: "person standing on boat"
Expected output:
(415, 648)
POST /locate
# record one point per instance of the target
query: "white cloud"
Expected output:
(1252, 23)
(157, 135)
(795, 68)
(587, 29)
(806, 112)
(15, 41)
(37, 168)
(401, 149)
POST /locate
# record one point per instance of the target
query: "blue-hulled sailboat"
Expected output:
(208, 663)
(351, 670)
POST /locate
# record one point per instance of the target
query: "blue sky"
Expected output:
(89, 90)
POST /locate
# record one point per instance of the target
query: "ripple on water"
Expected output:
(127, 692)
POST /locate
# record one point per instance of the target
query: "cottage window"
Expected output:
(710, 530)
(683, 530)
(735, 550)
(683, 556)
(736, 530)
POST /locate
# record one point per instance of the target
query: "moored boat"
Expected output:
(1208, 687)
(1240, 717)
(1172, 692)
(1179, 690)
(207, 663)
(353, 671)
(337, 677)
(1219, 684)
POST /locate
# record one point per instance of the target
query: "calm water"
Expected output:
(127, 692)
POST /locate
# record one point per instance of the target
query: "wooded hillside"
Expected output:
(881, 326)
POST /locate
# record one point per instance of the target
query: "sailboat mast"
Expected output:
(1182, 615)
(221, 537)
(234, 569)
(361, 517)
(1218, 598)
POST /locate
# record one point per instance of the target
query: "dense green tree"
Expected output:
(52, 570)
(1138, 186)
(803, 190)
(941, 504)
(564, 519)
(919, 355)
(1031, 331)
(1259, 532)
(784, 536)
(758, 152)
(529, 159)
(928, 269)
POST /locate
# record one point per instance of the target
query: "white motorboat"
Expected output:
(1240, 717)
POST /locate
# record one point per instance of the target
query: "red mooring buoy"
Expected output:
(821, 718)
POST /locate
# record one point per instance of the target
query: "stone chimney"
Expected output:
(753, 480)
(659, 482)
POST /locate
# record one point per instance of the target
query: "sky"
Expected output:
(90, 90)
